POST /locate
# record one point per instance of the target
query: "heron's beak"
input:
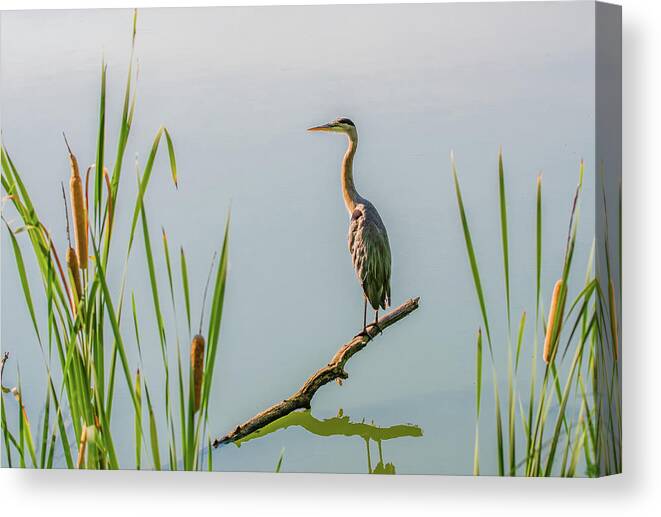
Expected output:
(323, 127)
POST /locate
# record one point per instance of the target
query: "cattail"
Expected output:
(74, 271)
(555, 312)
(72, 261)
(197, 362)
(79, 210)
(197, 347)
(613, 317)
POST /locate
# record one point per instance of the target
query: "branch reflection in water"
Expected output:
(341, 425)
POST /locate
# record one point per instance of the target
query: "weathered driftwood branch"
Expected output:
(332, 371)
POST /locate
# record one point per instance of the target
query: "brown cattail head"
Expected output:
(79, 210)
(613, 318)
(197, 363)
(554, 314)
(74, 270)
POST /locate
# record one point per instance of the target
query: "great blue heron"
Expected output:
(368, 238)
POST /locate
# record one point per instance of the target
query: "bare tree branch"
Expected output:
(334, 370)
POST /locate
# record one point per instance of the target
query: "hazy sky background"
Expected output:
(237, 87)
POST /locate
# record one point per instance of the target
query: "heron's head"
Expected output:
(340, 125)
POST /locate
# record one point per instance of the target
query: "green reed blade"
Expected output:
(478, 372)
(25, 285)
(61, 427)
(511, 413)
(153, 432)
(166, 252)
(191, 445)
(184, 282)
(500, 447)
(278, 465)
(173, 161)
(503, 230)
(119, 342)
(149, 257)
(524, 422)
(144, 182)
(44, 431)
(106, 444)
(182, 405)
(168, 268)
(579, 438)
(21, 434)
(530, 445)
(100, 146)
(7, 437)
(136, 328)
(125, 124)
(563, 405)
(138, 420)
(478, 399)
(172, 446)
(538, 244)
(210, 454)
(26, 431)
(471, 257)
(111, 381)
(215, 319)
(519, 340)
(14, 184)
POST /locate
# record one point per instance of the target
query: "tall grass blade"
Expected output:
(278, 465)
(503, 230)
(44, 431)
(98, 169)
(184, 282)
(25, 285)
(138, 420)
(153, 432)
(144, 182)
(500, 447)
(519, 340)
(471, 256)
(478, 399)
(173, 160)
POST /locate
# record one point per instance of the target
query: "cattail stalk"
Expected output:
(613, 318)
(81, 448)
(197, 363)
(555, 313)
(79, 210)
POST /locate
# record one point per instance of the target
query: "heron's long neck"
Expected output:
(351, 197)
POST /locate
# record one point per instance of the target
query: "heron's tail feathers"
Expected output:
(379, 299)
(386, 302)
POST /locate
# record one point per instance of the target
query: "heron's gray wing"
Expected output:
(370, 253)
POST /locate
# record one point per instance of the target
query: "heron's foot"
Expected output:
(364, 333)
(379, 330)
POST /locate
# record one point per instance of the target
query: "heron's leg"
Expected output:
(376, 322)
(364, 332)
